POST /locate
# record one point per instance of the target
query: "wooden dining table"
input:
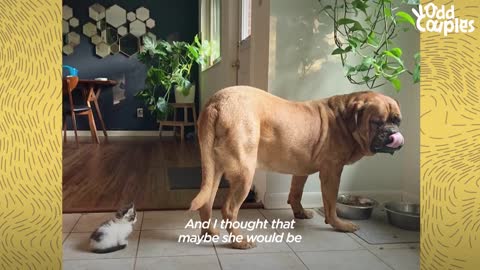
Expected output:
(91, 90)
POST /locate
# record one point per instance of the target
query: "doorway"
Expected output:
(244, 44)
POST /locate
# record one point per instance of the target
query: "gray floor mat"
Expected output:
(187, 178)
(377, 230)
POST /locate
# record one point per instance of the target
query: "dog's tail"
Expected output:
(206, 137)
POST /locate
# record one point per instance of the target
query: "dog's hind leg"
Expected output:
(240, 184)
(206, 210)
(295, 197)
(211, 174)
(206, 140)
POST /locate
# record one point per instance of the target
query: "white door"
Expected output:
(219, 25)
(243, 63)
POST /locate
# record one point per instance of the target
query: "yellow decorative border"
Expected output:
(30, 141)
(450, 145)
(30, 144)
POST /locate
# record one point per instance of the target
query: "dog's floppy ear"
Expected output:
(354, 110)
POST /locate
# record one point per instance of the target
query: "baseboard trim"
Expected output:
(314, 199)
(122, 133)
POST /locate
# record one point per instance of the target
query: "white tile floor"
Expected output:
(154, 245)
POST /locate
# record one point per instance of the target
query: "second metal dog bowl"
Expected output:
(354, 207)
(403, 215)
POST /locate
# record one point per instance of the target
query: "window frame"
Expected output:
(245, 19)
(210, 29)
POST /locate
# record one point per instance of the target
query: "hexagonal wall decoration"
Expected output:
(116, 16)
(150, 23)
(113, 30)
(142, 13)
(129, 45)
(74, 22)
(96, 39)
(73, 39)
(89, 29)
(65, 27)
(67, 12)
(122, 31)
(109, 35)
(102, 49)
(137, 28)
(67, 49)
(131, 16)
(101, 25)
(96, 12)
(114, 48)
(70, 39)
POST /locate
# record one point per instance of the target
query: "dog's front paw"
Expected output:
(345, 226)
(244, 244)
(304, 214)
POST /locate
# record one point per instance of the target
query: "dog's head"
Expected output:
(374, 121)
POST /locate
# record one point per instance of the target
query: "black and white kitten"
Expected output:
(112, 235)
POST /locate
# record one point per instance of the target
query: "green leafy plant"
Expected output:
(169, 65)
(364, 31)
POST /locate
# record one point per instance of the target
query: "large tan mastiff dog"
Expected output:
(243, 128)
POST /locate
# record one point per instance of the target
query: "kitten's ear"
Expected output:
(131, 210)
(131, 215)
(127, 210)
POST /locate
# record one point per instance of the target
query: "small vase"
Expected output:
(180, 98)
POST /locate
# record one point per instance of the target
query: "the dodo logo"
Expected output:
(431, 18)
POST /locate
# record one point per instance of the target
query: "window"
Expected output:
(210, 28)
(246, 23)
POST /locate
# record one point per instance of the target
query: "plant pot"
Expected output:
(180, 98)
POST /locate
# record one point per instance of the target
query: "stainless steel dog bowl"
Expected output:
(403, 215)
(354, 207)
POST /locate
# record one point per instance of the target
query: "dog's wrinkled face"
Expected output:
(376, 124)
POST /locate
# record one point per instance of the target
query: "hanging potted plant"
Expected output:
(169, 67)
(364, 33)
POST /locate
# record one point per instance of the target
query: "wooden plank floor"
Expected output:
(104, 177)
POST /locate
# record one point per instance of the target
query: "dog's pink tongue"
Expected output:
(397, 140)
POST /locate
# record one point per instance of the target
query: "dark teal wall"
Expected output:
(179, 16)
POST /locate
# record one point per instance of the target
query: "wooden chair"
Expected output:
(69, 109)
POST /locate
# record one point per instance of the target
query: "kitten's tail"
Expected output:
(108, 250)
(206, 136)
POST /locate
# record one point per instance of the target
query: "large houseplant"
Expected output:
(364, 33)
(169, 66)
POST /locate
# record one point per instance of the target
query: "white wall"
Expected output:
(409, 100)
(297, 36)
